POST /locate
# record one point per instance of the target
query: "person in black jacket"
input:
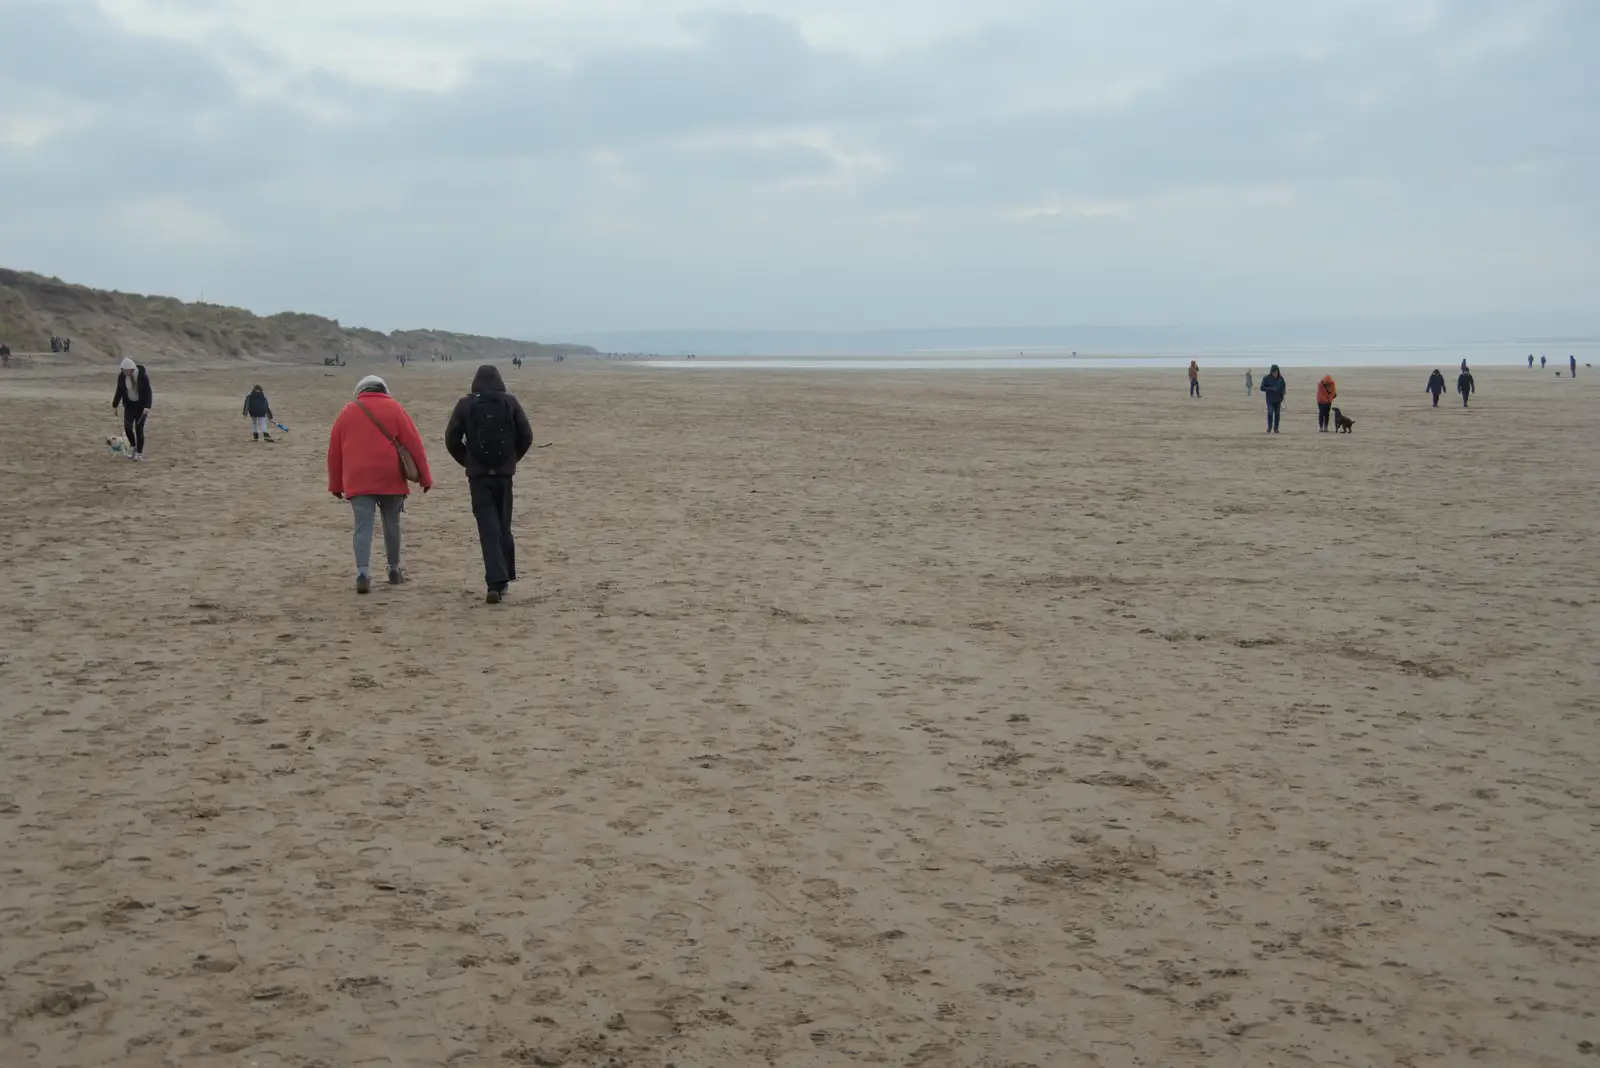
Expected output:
(260, 413)
(1435, 386)
(1273, 388)
(135, 397)
(488, 434)
(1465, 386)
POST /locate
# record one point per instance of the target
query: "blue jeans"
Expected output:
(1273, 411)
(367, 509)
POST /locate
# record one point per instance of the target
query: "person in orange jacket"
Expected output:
(364, 468)
(1194, 378)
(1326, 392)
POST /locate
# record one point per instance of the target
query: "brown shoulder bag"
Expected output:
(408, 466)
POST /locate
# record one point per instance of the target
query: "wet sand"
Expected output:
(899, 719)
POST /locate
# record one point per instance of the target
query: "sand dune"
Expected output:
(904, 720)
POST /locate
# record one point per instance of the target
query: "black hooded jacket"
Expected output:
(1273, 387)
(142, 400)
(256, 406)
(487, 382)
(1465, 385)
(1435, 384)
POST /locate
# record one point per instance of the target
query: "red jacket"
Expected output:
(361, 462)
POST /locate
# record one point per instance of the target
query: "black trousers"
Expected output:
(133, 428)
(1322, 414)
(491, 507)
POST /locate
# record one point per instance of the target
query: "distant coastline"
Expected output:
(1483, 355)
(1528, 333)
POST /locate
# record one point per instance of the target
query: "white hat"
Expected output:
(371, 384)
(127, 363)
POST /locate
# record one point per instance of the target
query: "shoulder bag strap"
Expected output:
(377, 424)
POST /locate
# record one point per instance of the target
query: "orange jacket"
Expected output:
(361, 462)
(1326, 391)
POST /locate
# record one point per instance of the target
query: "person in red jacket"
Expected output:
(364, 468)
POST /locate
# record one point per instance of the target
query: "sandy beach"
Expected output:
(908, 719)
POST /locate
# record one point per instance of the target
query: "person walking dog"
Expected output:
(1326, 393)
(135, 397)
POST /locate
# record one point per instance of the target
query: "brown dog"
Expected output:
(1341, 425)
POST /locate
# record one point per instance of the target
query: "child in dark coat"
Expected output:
(260, 413)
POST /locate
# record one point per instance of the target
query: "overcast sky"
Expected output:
(539, 167)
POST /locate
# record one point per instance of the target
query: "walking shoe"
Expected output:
(396, 577)
(267, 438)
(494, 597)
(363, 584)
(255, 437)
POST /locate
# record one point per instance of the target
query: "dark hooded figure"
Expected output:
(1465, 386)
(1435, 386)
(1273, 387)
(259, 411)
(487, 434)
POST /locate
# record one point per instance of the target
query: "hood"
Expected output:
(488, 380)
(127, 364)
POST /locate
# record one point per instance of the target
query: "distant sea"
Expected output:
(1446, 357)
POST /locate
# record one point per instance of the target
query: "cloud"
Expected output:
(494, 164)
(171, 221)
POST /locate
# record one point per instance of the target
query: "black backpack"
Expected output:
(491, 432)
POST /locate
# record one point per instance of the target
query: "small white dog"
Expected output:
(118, 445)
